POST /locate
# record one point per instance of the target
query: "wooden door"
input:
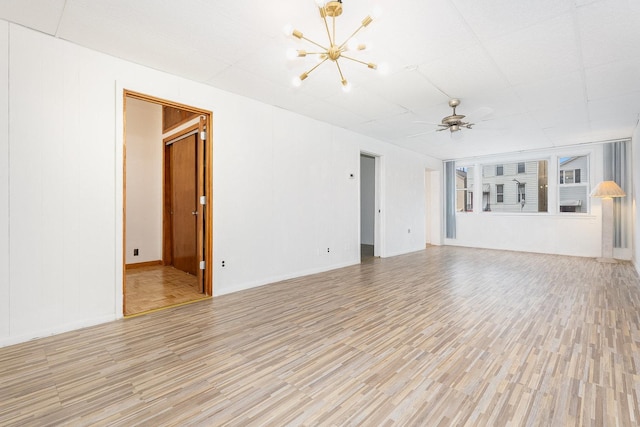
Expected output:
(184, 204)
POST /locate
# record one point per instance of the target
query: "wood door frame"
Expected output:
(207, 210)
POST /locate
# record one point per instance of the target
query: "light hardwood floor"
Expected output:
(158, 286)
(444, 336)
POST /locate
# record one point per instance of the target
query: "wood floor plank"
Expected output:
(150, 287)
(444, 336)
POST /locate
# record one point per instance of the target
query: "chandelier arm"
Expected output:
(368, 64)
(326, 26)
(342, 79)
(314, 43)
(334, 30)
(350, 37)
(316, 66)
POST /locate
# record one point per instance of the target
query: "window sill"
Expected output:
(570, 215)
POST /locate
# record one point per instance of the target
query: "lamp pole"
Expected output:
(607, 230)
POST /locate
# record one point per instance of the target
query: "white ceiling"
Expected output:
(552, 72)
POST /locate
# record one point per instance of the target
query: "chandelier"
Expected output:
(334, 51)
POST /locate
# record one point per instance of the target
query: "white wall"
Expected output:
(552, 232)
(282, 193)
(144, 181)
(404, 214)
(4, 182)
(635, 152)
(367, 199)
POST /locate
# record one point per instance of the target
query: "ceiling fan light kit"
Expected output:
(334, 51)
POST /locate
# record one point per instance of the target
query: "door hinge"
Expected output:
(201, 265)
(203, 200)
(203, 135)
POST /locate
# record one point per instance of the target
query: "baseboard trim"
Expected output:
(143, 264)
(59, 329)
(279, 278)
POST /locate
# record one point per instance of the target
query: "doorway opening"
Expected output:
(167, 195)
(369, 210)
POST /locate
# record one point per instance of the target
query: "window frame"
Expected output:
(499, 193)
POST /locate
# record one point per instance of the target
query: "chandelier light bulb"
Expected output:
(292, 53)
(287, 30)
(346, 86)
(377, 12)
(296, 81)
(383, 68)
(321, 3)
(353, 44)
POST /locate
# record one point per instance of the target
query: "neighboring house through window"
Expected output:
(464, 189)
(573, 191)
(505, 186)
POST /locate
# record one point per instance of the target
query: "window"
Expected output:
(464, 189)
(570, 176)
(573, 191)
(521, 187)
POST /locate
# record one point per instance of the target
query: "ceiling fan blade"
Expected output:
(444, 128)
(482, 113)
(415, 135)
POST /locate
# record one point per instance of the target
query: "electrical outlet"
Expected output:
(223, 264)
(328, 250)
(135, 252)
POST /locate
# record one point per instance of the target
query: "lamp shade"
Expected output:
(607, 189)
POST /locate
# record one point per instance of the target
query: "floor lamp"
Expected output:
(606, 191)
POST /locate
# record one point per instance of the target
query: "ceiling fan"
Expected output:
(454, 122)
